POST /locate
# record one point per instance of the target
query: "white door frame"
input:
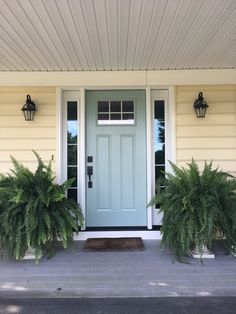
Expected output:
(150, 95)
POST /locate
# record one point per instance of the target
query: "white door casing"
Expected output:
(63, 94)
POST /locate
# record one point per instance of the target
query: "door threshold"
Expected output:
(144, 234)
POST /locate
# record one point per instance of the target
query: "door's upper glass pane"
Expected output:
(115, 106)
(116, 112)
(103, 106)
(116, 116)
(128, 106)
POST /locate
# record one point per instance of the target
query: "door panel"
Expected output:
(103, 178)
(118, 193)
(127, 172)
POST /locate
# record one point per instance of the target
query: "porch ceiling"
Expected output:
(91, 35)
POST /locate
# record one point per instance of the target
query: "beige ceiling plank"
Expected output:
(145, 23)
(217, 51)
(155, 24)
(134, 31)
(100, 10)
(229, 54)
(193, 33)
(63, 34)
(172, 39)
(5, 63)
(113, 28)
(78, 55)
(188, 19)
(124, 24)
(213, 24)
(166, 22)
(12, 57)
(217, 43)
(92, 31)
(14, 35)
(81, 29)
(46, 27)
(41, 36)
(11, 47)
(25, 14)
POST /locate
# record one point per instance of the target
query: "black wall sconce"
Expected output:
(200, 106)
(29, 109)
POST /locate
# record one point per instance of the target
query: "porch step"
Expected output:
(144, 234)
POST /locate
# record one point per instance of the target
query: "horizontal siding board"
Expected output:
(27, 155)
(5, 167)
(20, 98)
(207, 130)
(12, 144)
(19, 121)
(210, 119)
(206, 154)
(197, 88)
(27, 132)
(209, 95)
(206, 142)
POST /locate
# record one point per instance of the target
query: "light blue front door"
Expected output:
(116, 155)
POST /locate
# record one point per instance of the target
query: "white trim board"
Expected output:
(145, 235)
(120, 78)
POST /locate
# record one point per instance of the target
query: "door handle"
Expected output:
(90, 173)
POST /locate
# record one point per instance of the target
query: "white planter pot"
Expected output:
(203, 252)
(29, 255)
(232, 250)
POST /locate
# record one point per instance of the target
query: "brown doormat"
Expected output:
(113, 244)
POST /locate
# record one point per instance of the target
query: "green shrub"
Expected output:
(196, 207)
(34, 212)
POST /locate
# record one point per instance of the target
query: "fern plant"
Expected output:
(196, 206)
(34, 211)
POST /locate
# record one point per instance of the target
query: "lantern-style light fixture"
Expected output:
(29, 109)
(200, 106)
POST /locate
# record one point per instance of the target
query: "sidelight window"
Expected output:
(72, 147)
(159, 139)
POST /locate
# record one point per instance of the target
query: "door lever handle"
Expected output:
(89, 173)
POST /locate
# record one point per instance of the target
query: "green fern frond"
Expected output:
(195, 206)
(34, 210)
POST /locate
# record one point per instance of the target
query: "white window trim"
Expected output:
(168, 95)
(62, 97)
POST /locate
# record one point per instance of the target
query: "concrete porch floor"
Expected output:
(148, 273)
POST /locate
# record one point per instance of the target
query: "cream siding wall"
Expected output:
(17, 136)
(212, 138)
